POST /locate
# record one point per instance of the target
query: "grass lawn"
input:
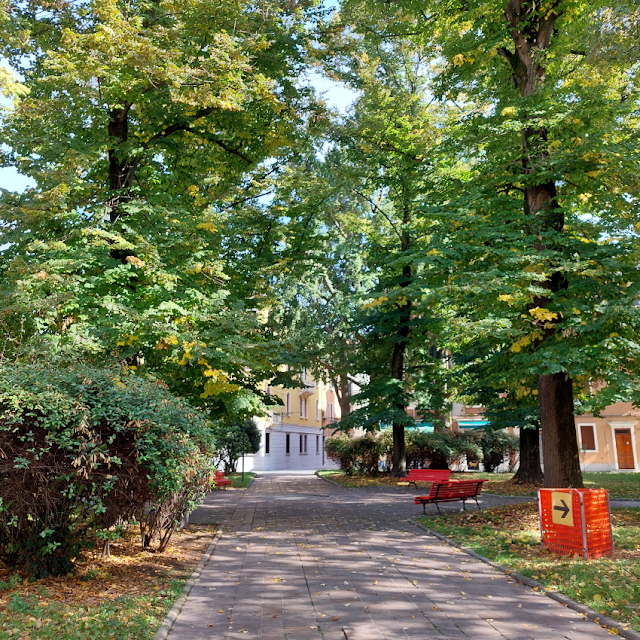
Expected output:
(620, 485)
(124, 597)
(236, 479)
(511, 536)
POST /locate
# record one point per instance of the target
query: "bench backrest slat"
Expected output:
(429, 475)
(458, 488)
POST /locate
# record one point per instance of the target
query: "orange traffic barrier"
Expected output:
(576, 521)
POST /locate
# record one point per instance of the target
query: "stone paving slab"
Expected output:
(302, 559)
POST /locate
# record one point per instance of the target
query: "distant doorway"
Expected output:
(624, 449)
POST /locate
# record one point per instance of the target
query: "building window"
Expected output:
(317, 410)
(300, 444)
(288, 444)
(301, 403)
(587, 437)
(305, 407)
(267, 443)
(305, 444)
(288, 402)
(331, 411)
(317, 444)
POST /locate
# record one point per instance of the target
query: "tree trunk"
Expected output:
(531, 30)
(560, 452)
(529, 470)
(345, 400)
(438, 462)
(399, 456)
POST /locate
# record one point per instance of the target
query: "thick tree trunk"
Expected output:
(531, 28)
(559, 443)
(529, 470)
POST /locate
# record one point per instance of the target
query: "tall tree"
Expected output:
(144, 125)
(384, 151)
(543, 233)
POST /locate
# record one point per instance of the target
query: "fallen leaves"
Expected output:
(107, 598)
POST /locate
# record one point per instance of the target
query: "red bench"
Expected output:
(451, 492)
(220, 481)
(426, 475)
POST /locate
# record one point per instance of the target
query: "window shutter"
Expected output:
(587, 437)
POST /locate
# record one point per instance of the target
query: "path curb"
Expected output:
(333, 482)
(174, 612)
(598, 618)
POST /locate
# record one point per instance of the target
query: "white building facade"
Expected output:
(294, 434)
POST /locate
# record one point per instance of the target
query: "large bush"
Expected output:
(83, 450)
(355, 454)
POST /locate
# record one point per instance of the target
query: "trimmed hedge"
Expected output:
(82, 451)
(436, 449)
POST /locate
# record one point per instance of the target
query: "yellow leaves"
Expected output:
(41, 275)
(525, 341)
(509, 112)
(207, 226)
(508, 298)
(218, 384)
(187, 357)
(459, 59)
(556, 144)
(375, 303)
(584, 197)
(614, 335)
(593, 174)
(433, 252)
(129, 340)
(576, 311)
(543, 315)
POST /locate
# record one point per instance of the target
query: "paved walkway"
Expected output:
(302, 559)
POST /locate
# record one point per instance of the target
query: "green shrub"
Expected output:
(355, 454)
(81, 451)
(229, 440)
(497, 446)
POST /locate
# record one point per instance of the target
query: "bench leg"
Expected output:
(438, 508)
(413, 482)
(464, 504)
(477, 503)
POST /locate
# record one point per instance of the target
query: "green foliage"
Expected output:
(424, 449)
(157, 128)
(363, 454)
(231, 437)
(355, 455)
(497, 446)
(85, 449)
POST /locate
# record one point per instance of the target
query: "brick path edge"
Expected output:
(598, 618)
(174, 612)
(333, 482)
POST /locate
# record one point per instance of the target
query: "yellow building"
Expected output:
(610, 442)
(293, 435)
